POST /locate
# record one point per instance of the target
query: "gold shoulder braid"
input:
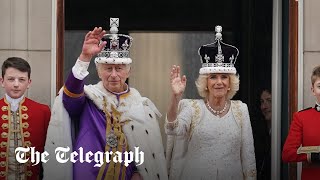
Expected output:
(115, 141)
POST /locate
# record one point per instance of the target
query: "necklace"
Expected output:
(215, 111)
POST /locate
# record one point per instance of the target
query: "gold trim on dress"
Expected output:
(308, 149)
(237, 112)
(251, 173)
(4, 108)
(172, 125)
(70, 94)
(195, 118)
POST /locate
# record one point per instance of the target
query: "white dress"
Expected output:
(216, 148)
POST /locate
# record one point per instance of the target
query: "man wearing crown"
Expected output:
(112, 117)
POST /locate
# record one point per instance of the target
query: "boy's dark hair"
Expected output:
(17, 63)
(315, 74)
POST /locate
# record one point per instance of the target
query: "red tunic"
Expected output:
(305, 131)
(34, 119)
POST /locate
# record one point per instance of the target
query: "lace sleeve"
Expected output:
(181, 125)
(247, 149)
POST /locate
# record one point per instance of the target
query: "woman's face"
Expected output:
(265, 105)
(316, 89)
(218, 85)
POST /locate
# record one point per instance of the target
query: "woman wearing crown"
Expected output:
(210, 138)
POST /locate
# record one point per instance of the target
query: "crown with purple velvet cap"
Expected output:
(117, 48)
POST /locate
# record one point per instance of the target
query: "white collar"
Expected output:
(317, 106)
(14, 102)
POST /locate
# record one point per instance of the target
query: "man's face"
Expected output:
(265, 105)
(316, 89)
(113, 76)
(15, 82)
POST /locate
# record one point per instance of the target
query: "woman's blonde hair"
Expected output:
(202, 84)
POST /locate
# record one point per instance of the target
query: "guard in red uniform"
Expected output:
(303, 141)
(23, 122)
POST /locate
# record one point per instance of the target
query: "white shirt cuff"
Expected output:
(80, 69)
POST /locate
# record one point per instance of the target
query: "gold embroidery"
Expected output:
(170, 126)
(116, 142)
(26, 134)
(25, 125)
(196, 117)
(2, 164)
(4, 117)
(27, 143)
(24, 108)
(3, 144)
(25, 116)
(5, 126)
(3, 173)
(237, 112)
(4, 108)
(4, 135)
(251, 173)
(3, 154)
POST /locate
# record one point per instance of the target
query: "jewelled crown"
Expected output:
(218, 57)
(117, 49)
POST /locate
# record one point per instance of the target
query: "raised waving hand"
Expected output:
(91, 45)
(178, 83)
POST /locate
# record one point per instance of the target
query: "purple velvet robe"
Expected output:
(92, 130)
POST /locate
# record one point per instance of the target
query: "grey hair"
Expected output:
(202, 83)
